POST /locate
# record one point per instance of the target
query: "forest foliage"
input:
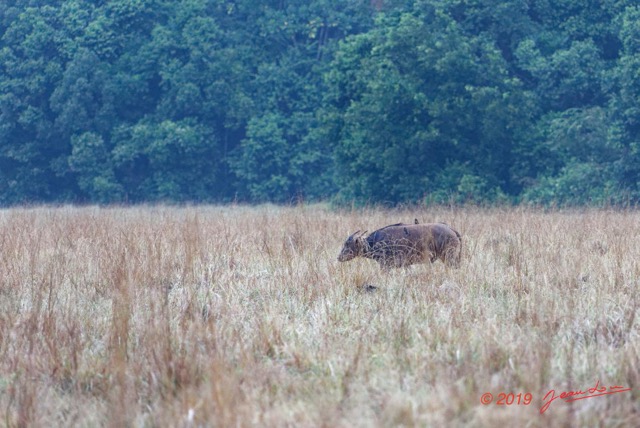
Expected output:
(376, 101)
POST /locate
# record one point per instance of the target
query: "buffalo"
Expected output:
(401, 244)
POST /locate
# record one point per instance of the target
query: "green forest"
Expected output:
(351, 101)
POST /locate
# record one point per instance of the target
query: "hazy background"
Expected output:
(371, 101)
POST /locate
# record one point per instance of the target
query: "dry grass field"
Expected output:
(241, 316)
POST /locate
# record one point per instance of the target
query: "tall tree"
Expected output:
(283, 155)
(422, 110)
(625, 131)
(31, 63)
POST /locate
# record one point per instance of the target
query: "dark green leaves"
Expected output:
(384, 102)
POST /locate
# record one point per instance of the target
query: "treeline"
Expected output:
(380, 101)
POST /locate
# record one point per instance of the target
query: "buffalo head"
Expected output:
(353, 247)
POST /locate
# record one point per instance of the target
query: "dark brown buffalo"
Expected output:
(402, 244)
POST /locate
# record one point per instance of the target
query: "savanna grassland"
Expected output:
(241, 316)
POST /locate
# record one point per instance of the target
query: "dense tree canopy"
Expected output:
(387, 101)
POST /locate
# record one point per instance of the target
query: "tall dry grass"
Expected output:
(237, 316)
